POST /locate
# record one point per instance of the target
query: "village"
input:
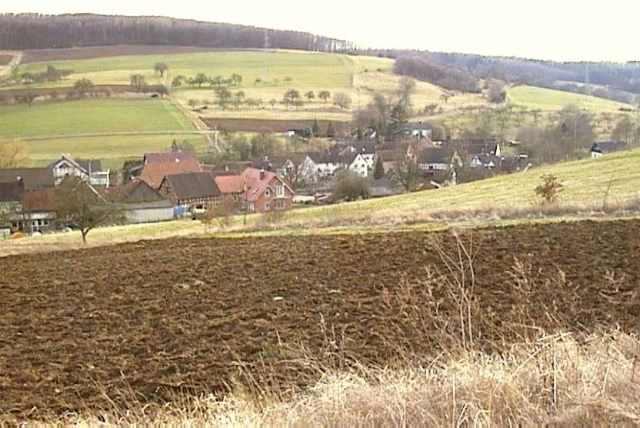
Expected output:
(176, 184)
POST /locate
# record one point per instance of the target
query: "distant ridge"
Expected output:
(37, 31)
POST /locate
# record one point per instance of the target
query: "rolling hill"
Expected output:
(108, 129)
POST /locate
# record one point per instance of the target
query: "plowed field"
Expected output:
(190, 315)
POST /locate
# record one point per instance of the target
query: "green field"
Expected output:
(549, 99)
(586, 183)
(307, 69)
(38, 126)
(358, 76)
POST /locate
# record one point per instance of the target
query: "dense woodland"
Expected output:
(35, 31)
(616, 81)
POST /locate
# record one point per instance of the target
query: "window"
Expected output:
(279, 190)
(267, 192)
(267, 206)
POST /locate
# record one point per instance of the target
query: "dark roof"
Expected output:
(11, 192)
(33, 178)
(434, 155)
(193, 185)
(608, 146)
(476, 146)
(134, 192)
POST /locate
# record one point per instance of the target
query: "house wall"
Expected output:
(269, 201)
(149, 215)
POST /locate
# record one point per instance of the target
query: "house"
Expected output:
(11, 196)
(33, 178)
(141, 203)
(265, 191)
(191, 191)
(231, 186)
(434, 159)
(285, 167)
(391, 158)
(317, 166)
(38, 212)
(87, 170)
(601, 148)
(360, 158)
(157, 166)
(417, 130)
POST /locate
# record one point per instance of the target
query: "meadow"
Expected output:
(549, 100)
(49, 129)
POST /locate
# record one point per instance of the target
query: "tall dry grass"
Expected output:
(561, 380)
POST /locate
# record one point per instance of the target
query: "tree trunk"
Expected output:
(84, 236)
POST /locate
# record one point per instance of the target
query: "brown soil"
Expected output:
(157, 318)
(43, 55)
(5, 59)
(268, 125)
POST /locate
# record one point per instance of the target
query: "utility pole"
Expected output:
(266, 62)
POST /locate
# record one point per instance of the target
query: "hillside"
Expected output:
(89, 128)
(37, 31)
(550, 100)
(588, 185)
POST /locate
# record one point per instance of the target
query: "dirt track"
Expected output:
(161, 317)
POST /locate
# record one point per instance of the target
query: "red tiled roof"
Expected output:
(230, 183)
(256, 185)
(39, 200)
(169, 157)
(154, 172)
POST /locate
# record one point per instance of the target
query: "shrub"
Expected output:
(549, 190)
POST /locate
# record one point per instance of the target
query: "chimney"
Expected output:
(262, 174)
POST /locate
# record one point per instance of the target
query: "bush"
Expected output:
(350, 187)
(549, 190)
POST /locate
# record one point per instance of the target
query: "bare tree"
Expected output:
(406, 174)
(79, 204)
(161, 68)
(138, 82)
(342, 100)
(324, 95)
(13, 154)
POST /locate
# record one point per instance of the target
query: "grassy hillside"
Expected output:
(41, 126)
(549, 99)
(308, 70)
(585, 182)
(279, 71)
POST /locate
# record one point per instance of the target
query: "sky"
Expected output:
(563, 30)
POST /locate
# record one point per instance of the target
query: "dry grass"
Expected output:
(560, 380)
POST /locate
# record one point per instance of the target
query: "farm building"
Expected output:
(601, 148)
(193, 190)
(157, 166)
(33, 178)
(38, 211)
(141, 203)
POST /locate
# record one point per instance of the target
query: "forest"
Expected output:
(36, 31)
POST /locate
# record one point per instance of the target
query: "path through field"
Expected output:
(17, 59)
